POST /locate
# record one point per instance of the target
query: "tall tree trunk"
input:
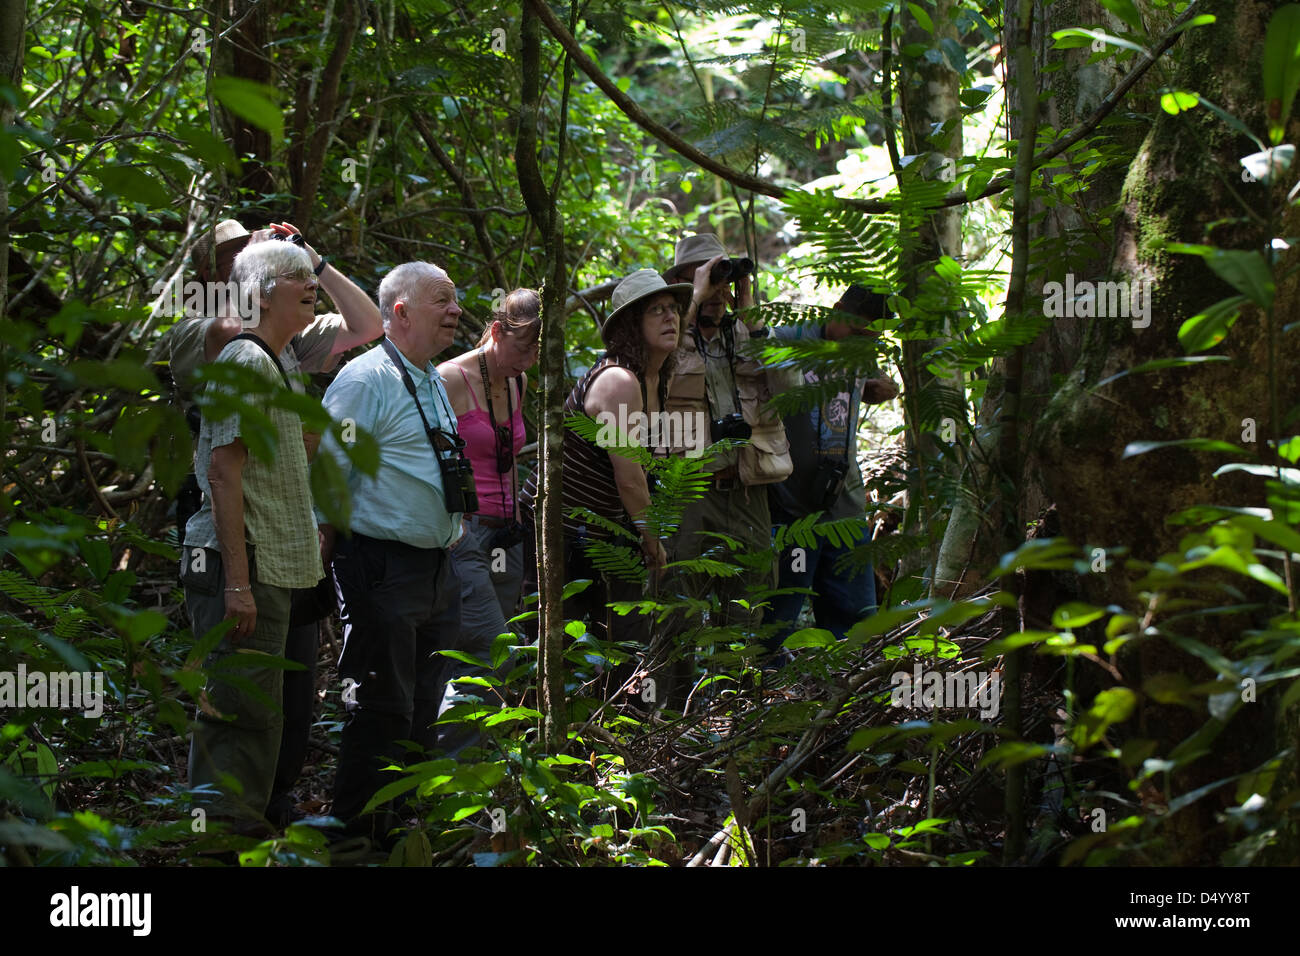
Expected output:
(1071, 237)
(13, 23)
(244, 55)
(13, 28)
(550, 532)
(928, 94)
(323, 119)
(1182, 186)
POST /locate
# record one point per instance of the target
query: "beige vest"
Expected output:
(766, 457)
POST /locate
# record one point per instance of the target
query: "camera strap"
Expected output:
(510, 424)
(250, 337)
(453, 442)
(702, 347)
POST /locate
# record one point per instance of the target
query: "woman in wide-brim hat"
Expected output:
(631, 378)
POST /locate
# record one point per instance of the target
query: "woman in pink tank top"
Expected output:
(486, 386)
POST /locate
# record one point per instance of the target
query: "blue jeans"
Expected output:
(841, 600)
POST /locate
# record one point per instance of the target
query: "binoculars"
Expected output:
(731, 270)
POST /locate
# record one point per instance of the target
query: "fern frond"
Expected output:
(885, 551)
(609, 437)
(600, 521)
(616, 560)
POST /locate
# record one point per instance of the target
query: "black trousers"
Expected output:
(399, 606)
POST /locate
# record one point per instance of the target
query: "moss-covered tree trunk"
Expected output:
(1074, 236)
(1183, 186)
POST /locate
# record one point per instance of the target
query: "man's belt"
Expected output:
(489, 521)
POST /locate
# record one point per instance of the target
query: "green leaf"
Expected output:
(1040, 554)
(1012, 641)
(1156, 365)
(1076, 614)
(1243, 269)
(1015, 752)
(255, 102)
(208, 148)
(810, 637)
(1080, 36)
(329, 490)
(922, 18)
(1135, 448)
(21, 833)
(954, 53)
(134, 184)
(97, 555)
(1270, 529)
(1207, 329)
(1127, 11)
(466, 658)
(1176, 101)
(171, 450)
(1109, 707)
(1281, 68)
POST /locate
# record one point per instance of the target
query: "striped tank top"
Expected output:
(588, 472)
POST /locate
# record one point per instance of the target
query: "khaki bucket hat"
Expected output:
(695, 251)
(636, 288)
(227, 231)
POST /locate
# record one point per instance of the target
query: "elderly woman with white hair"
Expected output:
(254, 539)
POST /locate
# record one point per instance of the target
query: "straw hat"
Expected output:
(635, 289)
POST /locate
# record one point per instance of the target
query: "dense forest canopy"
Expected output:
(1084, 495)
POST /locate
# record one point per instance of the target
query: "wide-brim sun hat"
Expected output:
(227, 232)
(635, 289)
(694, 251)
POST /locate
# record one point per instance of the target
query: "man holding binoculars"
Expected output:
(718, 384)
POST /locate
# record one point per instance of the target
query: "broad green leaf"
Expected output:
(1108, 707)
(255, 102)
(1076, 614)
(1156, 364)
(1127, 11)
(1176, 101)
(1281, 68)
(1080, 36)
(1135, 448)
(1012, 641)
(1015, 752)
(134, 184)
(809, 637)
(1243, 269)
(922, 17)
(208, 148)
(1207, 329)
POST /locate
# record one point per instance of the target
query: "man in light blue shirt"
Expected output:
(399, 597)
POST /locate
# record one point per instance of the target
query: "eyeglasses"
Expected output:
(301, 275)
(659, 311)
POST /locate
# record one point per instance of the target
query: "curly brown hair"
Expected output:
(626, 343)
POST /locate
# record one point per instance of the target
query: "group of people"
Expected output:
(438, 543)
